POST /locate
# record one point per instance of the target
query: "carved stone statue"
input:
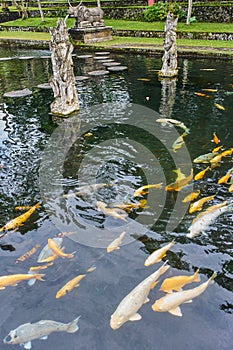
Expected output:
(86, 17)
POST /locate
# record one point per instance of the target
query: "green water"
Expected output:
(126, 155)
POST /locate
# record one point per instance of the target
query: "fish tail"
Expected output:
(196, 276)
(39, 276)
(73, 325)
(213, 276)
(71, 255)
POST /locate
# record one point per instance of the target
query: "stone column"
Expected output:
(169, 67)
(63, 80)
(168, 96)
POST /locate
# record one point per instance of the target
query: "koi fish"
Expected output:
(215, 138)
(46, 253)
(39, 268)
(178, 123)
(210, 90)
(219, 106)
(128, 206)
(226, 177)
(208, 69)
(179, 142)
(179, 174)
(204, 158)
(86, 189)
(178, 282)
(23, 207)
(13, 280)
(74, 283)
(57, 251)
(88, 134)
(115, 213)
(202, 95)
(202, 222)
(128, 308)
(215, 150)
(179, 184)
(143, 189)
(158, 254)
(27, 332)
(191, 196)
(217, 158)
(143, 79)
(230, 189)
(27, 254)
(115, 243)
(170, 302)
(200, 175)
(196, 206)
(19, 221)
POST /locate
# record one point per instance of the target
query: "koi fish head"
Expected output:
(157, 306)
(12, 338)
(117, 321)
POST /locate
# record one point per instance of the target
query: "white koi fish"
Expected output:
(170, 302)
(129, 306)
(115, 243)
(202, 222)
(27, 332)
(158, 254)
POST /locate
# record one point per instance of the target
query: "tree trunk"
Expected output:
(169, 67)
(190, 5)
(41, 11)
(24, 9)
(63, 80)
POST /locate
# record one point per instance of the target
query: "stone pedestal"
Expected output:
(90, 35)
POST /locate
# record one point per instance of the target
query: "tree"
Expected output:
(41, 11)
(190, 5)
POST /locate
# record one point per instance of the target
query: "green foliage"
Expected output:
(192, 19)
(158, 11)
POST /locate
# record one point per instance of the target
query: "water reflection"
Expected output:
(26, 127)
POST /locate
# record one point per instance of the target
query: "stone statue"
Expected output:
(86, 17)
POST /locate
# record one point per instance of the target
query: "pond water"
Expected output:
(114, 140)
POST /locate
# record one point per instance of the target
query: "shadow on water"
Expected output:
(26, 128)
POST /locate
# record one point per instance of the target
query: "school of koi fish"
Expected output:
(128, 308)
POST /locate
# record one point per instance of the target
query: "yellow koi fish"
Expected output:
(178, 282)
(41, 267)
(226, 177)
(215, 150)
(115, 243)
(170, 302)
(13, 280)
(219, 106)
(143, 79)
(230, 189)
(196, 206)
(191, 196)
(129, 206)
(114, 212)
(218, 158)
(50, 258)
(128, 308)
(28, 254)
(179, 174)
(210, 90)
(179, 184)
(200, 175)
(158, 254)
(175, 122)
(57, 251)
(179, 142)
(202, 95)
(74, 283)
(143, 190)
(23, 207)
(19, 221)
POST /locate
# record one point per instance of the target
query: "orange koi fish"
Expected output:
(143, 190)
(196, 206)
(23, 207)
(179, 184)
(202, 95)
(28, 254)
(57, 251)
(15, 223)
(226, 177)
(215, 139)
(158, 254)
(200, 175)
(178, 282)
(191, 196)
(13, 280)
(74, 283)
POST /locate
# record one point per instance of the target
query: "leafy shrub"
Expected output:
(158, 11)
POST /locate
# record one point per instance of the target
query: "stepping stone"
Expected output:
(84, 56)
(81, 77)
(105, 61)
(6, 58)
(25, 58)
(18, 93)
(98, 72)
(117, 68)
(103, 53)
(44, 86)
(101, 57)
(109, 64)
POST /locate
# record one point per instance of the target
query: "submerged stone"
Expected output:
(81, 78)
(44, 86)
(103, 53)
(98, 72)
(109, 64)
(18, 93)
(117, 68)
(84, 56)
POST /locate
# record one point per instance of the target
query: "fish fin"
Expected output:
(196, 278)
(154, 284)
(176, 311)
(73, 325)
(44, 337)
(27, 345)
(135, 317)
(188, 302)
(39, 276)
(146, 301)
(31, 282)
